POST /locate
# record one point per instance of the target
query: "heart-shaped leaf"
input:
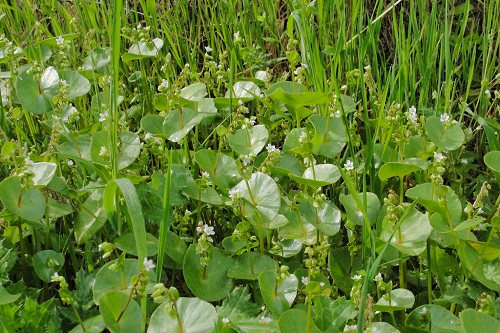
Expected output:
(354, 212)
(28, 204)
(325, 218)
(97, 58)
(46, 263)
(142, 50)
(330, 136)
(448, 139)
(397, 299)
(318, 175)
(492, 161)
(221, 168)
(278, 296)
(36, 95)
(111, 306)
(250, 264)
(249, 140)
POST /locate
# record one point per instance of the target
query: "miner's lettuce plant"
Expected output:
(249, 166)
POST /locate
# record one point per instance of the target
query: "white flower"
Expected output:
(270, 148)
(103, 151)
(225, 320)
(265, 320)
(54, 277)
(378, 278)
(237, 35)
(233, 192)
(302, 137)
(148, 136)
(209, 49)
(480, 210)
(208, 230)
(70, 162)
(322, 284)
(444, 117)
(438, 157)
(464, 161)
(205, 174)
(28, 161)
(60, 40)
(246, 160)
(103, 116)
(163, 85)
(305, 280)
(356, 277)
(240, 102)
(349, 328)
(412, 116)
(349, 165)
(423, 311)
(344, 87)
(148, 264)
(303, 65)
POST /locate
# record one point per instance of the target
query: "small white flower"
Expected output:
(63, 82)
(54, 277)
(148, 264)
(208, 230)
(378, 278)
(70, 162)
(480, 210)
(270, 148)
(148, 136)
(367, 67)
(438, 157)
(60, 40)
(103, 116)
(412, 116)
(344, 87)
(225, 320)
(265, 320)
(444, 117)
(322, 284)
(349, 328)
(163, 85)
(237, 35)
(349, 165)
(205, 174)
(233, 192)
(305, 280)
(240, 102)
(464, 161)
(356, 277)
(302, 137)
(304, 65)
(246, 160)
(208, 49)
(423, 311)
(103, 151)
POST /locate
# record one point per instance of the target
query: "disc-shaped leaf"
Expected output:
(120, 280)
(153, 124)
(129, 148)
(97, 58)
(397, 299)
(126, 243)
(194, 92)
(448, 139)
(411, 236)
(195, 316)
(278, 296)
(78, 149)
(221, 168)
(295, 320)
(492, 161)
(289, 248)
(433, 318)
(43, 172)
(28, 204)
(78, 84)
(403, 168)
(343, 264)
(211, 282)
(243, 91)
(474, 321)
(325, 218)
(329, 137)
(287, 164)
(91, 218)
(92, 325)
(354, 212)
(295, 95)
(249, 140)
(431, 198)
(179, 123)
(142, 50)
(36, 95)
(207, 194)
(111, 306)
(46, 263)
(247, 268)
(472, 261)
(261, 193)
(318, 175)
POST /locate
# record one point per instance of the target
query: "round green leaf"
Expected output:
(433, 318)
(194, 92)
(78, 149)
(28, 204)
(381, 327)
(129, 148)
(492, 161)
(403, 168)
(36, 95)
(92, 325)
(153, 124)
(278, 297)
(91, 219)
(295, 320)
(318, 175)
(397, 299)
(326, 218)
(142, 50)
(447, 139)
(209, 283)
(43, 172)
(196, 316)
(126, 243)
(329, 136)
(262, 194)
(207, 194)
(176, 247)
(474, 321)
(289, 248)
(78, 84)
(160, 101)
(354, 212)
(46, 263)
(111, 306)
(108, 279)
(247, 269)
(429, 197)
(221, 168)
(97, 58)
(179, 123)
(249, 140)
